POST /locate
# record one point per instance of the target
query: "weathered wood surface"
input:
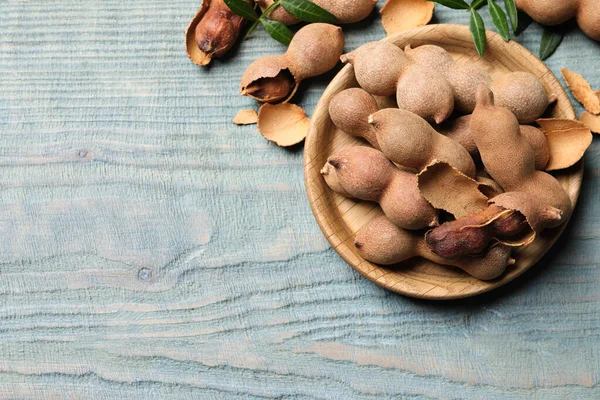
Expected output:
(150, 249)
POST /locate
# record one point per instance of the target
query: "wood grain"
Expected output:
(151, 249)
(341, 218)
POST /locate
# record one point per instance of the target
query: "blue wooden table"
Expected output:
(151, 249)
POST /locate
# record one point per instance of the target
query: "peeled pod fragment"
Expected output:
(446, 188)
(213, 32)
(401, 15)
(246, 117)
(285, 124)
(591, 121)
(582, 90)
(567, 141)
(538, 215)
(346, 11)
(314, 50)
(488, 186)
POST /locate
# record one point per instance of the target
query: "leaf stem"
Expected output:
(476, 4)
(264, 14)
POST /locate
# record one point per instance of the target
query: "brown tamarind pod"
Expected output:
(588, 18)
(382, 69)
(463, 78)
(409, 141)
(508, 157)
(346, 11)
(314, 50)
(523, 94)
(553, 12)
(365, 173)
(512, 219)
(382, 242)
(458, 129)
(549, 12)
(537, 196)
(350, 109)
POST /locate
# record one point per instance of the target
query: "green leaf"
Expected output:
(550, 41)
(308, 11)
(513, 14)
(455, 4)
(242, 8)
(477, 4)
(278, 31)
(499, 20)
(263, 15)
(478, 31)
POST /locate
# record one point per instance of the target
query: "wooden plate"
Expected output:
(340, 218)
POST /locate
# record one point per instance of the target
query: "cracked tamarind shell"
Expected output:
(382, 242)
(567, 141)
(284, 124)
(582, 91)
(448, 189)
(269, 80)
(591, 121)
(314, 50)
(402, 15)
(537, 214)
(213, 31)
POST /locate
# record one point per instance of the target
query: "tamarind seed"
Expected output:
(272, 90)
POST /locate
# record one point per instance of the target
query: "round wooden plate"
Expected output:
(340, 218)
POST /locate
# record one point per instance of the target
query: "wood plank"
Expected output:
(151, 249)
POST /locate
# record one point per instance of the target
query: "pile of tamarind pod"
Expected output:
(428, 82)
(484, 170)
(553, 12)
